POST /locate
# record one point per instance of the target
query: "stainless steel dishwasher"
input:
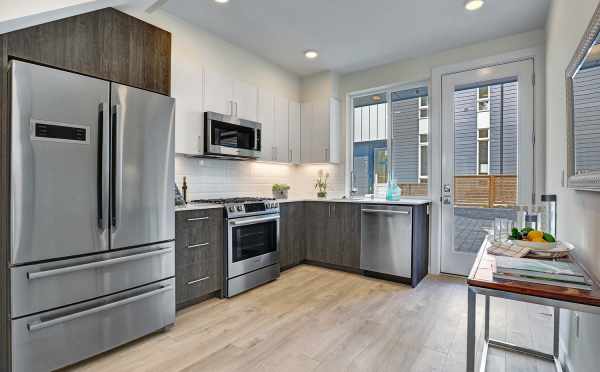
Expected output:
(386, 240)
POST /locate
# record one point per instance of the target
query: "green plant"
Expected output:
(278, 187)
(321, 183)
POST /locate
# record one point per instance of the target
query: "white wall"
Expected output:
(419, 70)
(578, 212)
(193, 49)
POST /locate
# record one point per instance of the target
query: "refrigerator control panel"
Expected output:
(59, 132)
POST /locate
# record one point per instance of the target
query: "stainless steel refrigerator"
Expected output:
(92, 215)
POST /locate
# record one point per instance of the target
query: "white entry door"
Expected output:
(487, 155)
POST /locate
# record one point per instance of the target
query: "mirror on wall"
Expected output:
(583, 111)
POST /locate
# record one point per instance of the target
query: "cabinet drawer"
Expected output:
(198, 279)
(54, 339)
(80, 279)
(199, 236)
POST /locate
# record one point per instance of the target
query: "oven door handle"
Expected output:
(253, 221)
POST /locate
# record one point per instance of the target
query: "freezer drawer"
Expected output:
(47, 286)
(58, 338)
(386, 240)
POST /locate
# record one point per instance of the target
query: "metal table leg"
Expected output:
(488, 342)
(471, 314)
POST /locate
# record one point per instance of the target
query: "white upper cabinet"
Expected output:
(189, 113)
(294, 138)
(245, 100)
(218, 93)
(282, 113)
(307, 118)
(229, 96)
(320, 129)
(266, 117)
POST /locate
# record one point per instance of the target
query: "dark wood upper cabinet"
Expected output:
(106, 44)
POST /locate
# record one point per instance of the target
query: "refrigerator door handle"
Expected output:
(100, 167)
(114, 162)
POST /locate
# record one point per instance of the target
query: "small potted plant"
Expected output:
(280, 191)
(321, 184)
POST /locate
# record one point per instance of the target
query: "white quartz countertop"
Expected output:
(404, 201)
(197, 206)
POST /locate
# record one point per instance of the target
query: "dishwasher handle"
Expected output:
(384, 211)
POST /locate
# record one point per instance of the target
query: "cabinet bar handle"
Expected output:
(384, 211)
(197, 219)
(192, 282)
(198, 245)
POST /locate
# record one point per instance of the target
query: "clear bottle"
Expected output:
(549, 216)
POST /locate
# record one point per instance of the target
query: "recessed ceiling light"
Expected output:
(221, 1)
(473, 4)
(311, 54)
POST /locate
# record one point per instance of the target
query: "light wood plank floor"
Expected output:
(315, 319)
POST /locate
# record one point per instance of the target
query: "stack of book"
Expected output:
(560, 273)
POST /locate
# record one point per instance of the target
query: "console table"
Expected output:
(482, 282)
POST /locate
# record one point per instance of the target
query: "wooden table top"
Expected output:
(482, 276)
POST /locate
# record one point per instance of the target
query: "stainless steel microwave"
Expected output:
(231, 137)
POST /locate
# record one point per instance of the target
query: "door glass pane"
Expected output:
(485, 160)
(254, 240)
(370, 161)
(410, 132)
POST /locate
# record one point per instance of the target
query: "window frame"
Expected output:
(388, 90)
(479, 140)
(486, 99)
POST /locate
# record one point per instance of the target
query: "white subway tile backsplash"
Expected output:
(211, 178)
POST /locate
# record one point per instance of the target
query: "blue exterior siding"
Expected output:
(504, 112)
(465, 132)
(586, 100)
(364, 161)
(503, 130)
(405, 140)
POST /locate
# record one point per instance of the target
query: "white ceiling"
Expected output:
(352, 35)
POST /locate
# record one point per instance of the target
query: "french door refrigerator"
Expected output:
(92, 215)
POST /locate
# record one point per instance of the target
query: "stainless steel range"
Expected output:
(251, 243)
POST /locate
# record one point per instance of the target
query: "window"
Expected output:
(370, 131)
(483, 151)
(423, 151)
(423, 108)
(483, 99)
(390, 141)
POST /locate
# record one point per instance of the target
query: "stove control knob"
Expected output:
(240, 208)
(232, 209)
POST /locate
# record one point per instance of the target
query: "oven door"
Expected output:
(252, 243)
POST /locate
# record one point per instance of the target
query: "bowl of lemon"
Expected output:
(533, 239)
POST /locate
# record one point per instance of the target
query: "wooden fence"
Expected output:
(485, 191)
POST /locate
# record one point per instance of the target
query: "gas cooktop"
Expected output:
(244, 206)
(231, 200)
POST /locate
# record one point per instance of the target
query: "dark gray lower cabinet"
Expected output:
(292, 242)
(333, 234)
(198, 254)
